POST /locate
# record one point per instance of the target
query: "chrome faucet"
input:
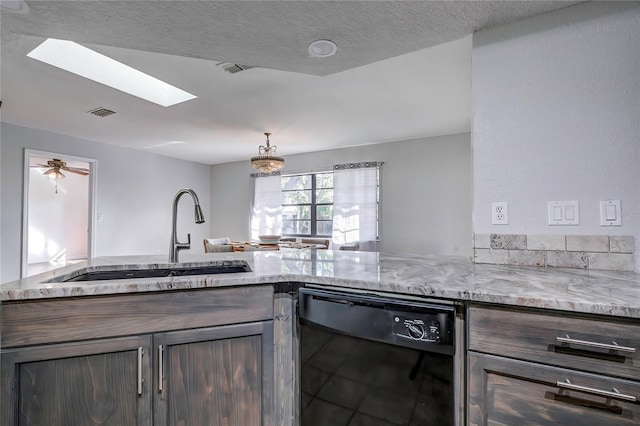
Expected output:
(176, 246)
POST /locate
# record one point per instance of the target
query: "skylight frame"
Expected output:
(87, 63)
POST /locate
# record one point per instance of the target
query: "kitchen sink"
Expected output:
(222, 268)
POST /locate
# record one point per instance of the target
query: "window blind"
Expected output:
(355, 205)
(266, 209)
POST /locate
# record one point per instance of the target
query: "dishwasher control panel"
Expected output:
(409, 323)
(418, 329)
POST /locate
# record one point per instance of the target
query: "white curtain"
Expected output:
(355, 207)
(266, 208)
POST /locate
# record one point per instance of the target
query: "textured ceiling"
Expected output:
(270, 34)
(402, 71)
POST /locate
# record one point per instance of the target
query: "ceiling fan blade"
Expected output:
(39, 165)
(76, 170)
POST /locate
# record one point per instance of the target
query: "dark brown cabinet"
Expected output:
(217, 375)
(537, 368)
(510, 392)
(79, 384)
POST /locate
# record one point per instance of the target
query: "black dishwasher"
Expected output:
(375, 360)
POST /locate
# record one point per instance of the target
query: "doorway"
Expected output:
(57, 218)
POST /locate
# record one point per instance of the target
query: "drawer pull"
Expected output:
(613, 347)
(609, 394)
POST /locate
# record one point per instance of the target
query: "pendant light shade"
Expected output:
(266, 161)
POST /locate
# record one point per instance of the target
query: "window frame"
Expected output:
(313, 206)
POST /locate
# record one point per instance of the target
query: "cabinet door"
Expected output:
(215, 376)
(508, 392)
(78, 384)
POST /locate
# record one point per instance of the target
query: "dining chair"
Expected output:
(217, 245)
(221, 240)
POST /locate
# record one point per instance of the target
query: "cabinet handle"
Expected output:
(614, 346)
(609, 394)
(140, 380)
(160, 362)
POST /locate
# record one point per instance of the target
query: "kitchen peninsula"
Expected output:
(148, 327)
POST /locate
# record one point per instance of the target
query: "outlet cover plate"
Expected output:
(500, 213)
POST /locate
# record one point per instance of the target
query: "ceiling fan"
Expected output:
(55, 166)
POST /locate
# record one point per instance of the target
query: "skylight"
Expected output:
(87, 63)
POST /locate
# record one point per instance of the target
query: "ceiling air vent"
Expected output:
(234, 68)
(101, 112)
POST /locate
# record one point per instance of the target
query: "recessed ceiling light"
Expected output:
(322, 49)
(87, 63)
(14, 6)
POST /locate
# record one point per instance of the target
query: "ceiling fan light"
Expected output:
(54, 174)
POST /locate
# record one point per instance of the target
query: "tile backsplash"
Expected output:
(610, 252)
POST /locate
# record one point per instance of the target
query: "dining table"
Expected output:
(258, 246)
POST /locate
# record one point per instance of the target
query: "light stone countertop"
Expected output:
(454, 278)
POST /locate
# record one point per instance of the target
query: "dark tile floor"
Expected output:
(355, 382)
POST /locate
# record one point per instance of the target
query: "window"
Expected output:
(340, 204)
(307, 204)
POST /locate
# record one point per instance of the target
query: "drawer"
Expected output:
(510, 392)
(582, 343)
(39, 322)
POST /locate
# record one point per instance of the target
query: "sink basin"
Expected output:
(222, 268)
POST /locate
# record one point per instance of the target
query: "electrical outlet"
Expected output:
(500, 213)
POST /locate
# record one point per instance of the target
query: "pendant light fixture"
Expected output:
(266, 161)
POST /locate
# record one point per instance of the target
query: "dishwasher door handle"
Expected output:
(331, 299)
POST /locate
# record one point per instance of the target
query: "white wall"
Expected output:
(1, 204)
(556, 112)
(425, 191)
(135, 192)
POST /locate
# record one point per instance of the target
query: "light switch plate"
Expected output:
(610, 213)
(563, 212)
